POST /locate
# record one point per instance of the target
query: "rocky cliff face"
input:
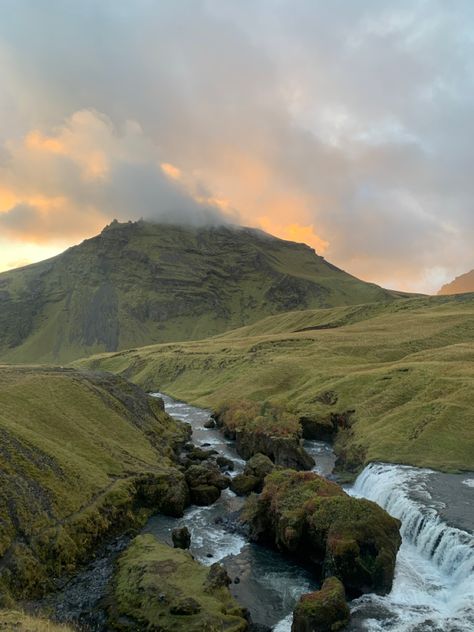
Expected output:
(140, 283)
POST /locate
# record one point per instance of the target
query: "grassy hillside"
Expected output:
(82, 455)
(397, 379)
(140, 283)
(21, 622)
(461, 284)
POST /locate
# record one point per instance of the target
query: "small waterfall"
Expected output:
(434, 580)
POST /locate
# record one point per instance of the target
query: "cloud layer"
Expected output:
(344, 124)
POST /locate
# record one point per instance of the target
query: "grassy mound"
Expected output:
(325, 610)
(396, 382)
(82, 455)
(160, 588)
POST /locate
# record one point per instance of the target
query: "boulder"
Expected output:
(313, 519)
(259, 466)
(224, 463)
(181, 538)
(256, 468)
(206, 474)
(210, 423)
(204, 495)
(244, 484)
(325, 610)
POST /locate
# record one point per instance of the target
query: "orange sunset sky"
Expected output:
(345, 125)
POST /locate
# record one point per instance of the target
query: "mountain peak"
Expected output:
(138, 283)
(460, 285)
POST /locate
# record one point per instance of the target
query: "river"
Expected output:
(433, 589)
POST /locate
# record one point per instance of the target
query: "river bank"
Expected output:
(434, 579)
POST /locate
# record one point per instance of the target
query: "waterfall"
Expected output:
(434, 580)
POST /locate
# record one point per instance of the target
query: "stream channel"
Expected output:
(433, 588)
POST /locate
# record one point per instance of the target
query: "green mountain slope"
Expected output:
(140, 283)
(394, 381)
(82, 455)
(461, 284)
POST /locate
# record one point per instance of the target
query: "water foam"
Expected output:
(434, 579)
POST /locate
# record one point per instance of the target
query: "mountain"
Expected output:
(461, 284)
(389, 382)
(140, 283)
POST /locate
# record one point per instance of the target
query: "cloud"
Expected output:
(71, 182)
(346, 124)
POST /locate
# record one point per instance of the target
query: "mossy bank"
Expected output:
(160, 588)
(83, 455)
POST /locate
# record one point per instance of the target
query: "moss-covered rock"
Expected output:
(181, 538)
(304, 514)
(244, 484)
(325, 610)
(160, 588)
(259, 466)
(260, 427)
(205, 482)
(251, 480)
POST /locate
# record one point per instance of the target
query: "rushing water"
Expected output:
(433, 588)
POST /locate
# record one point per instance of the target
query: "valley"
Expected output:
(340, 434)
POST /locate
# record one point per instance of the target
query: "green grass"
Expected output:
(21, 622)
(81, 456)
(140, 283)
(152, 579)
(404, 368)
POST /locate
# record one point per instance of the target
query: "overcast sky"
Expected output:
(345, 124)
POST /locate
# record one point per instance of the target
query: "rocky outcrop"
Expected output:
(325, 610)
(205, 483)
(251, 480)
(181, 538)
(312, 518)
(283, 451)
(160, 588)
(325, 427)
(260, 427)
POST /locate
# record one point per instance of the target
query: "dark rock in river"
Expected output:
(224, 463)
(253, 476)
(181, 538)
(313, 519)
(209, 424)
(325, 610)
(244, 484)
(204, 495)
